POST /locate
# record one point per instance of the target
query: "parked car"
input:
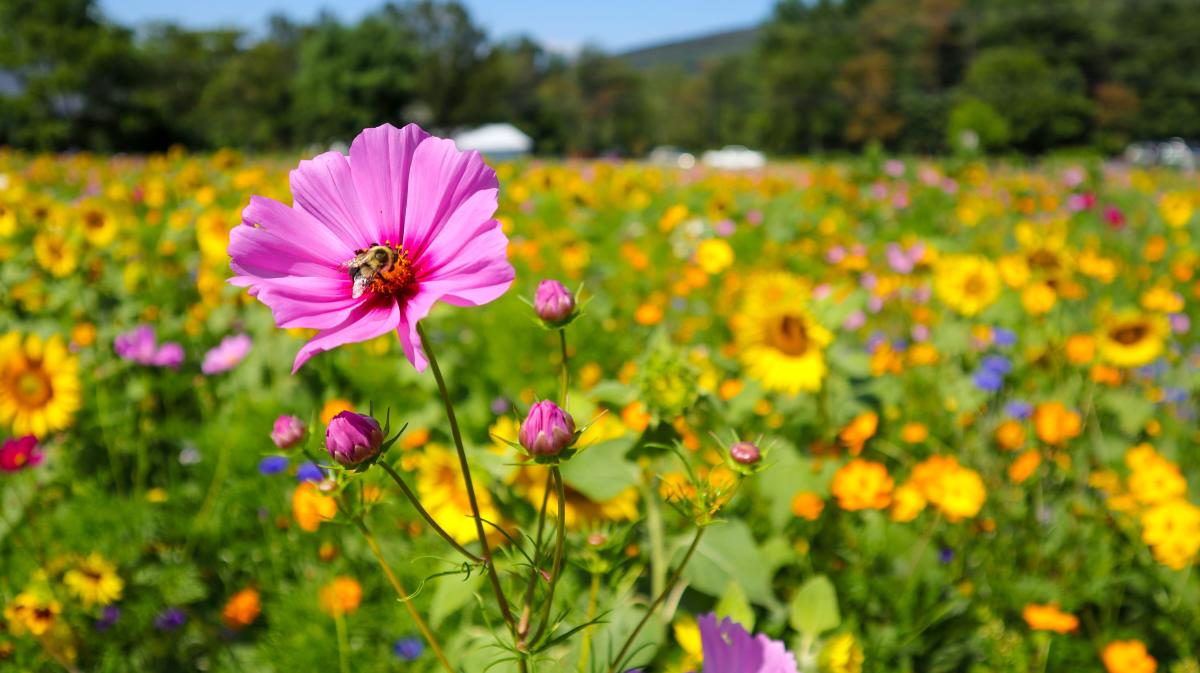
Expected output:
(734, 158)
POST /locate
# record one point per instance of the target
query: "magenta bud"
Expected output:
(745, 453)
(352, 438)
(547, 429)
(288, 431)
(553, 302)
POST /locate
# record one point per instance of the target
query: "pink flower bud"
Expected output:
(553, 303)
(352, 438)
(547, 429)
(745, 453)
(288, 432)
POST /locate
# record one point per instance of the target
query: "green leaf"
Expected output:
(451, 594)
(727, 553)
(1131, 410)
(601, 472)
(733, 604)
(814, 608)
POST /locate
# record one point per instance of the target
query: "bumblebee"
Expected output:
(381, 268)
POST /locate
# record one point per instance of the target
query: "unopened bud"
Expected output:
(553, 302)
(353, 438)
(547, 429)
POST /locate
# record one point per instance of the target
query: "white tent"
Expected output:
(498, 141)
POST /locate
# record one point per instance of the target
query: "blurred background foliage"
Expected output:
(825, 75)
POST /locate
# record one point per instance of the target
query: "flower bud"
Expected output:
(288, 432)
(553, 303)
(547, 429)
(352, 438)
(745, 453)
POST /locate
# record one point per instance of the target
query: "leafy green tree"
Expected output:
(1042, 106)
(351, 77)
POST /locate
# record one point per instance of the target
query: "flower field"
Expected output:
(890, 415)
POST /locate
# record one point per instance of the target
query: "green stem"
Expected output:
(470, 486)
(558, 551)
(616, 663)
(654, 529)
(398, 588)
(531, 587)
(566, 369)
(343, 643)
(593, 596)
(416, 503)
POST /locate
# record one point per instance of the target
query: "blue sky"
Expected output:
(562, 24)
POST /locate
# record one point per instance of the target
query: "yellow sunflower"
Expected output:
(1130, 339)
(55, 254)
(778, 340)
(966, 283)
(441, 490)
(98, 224)
(529, 481)
(95, 581)
(39, 384)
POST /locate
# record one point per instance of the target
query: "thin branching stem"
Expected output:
(616, 663)
(416, 503)
(488, 561)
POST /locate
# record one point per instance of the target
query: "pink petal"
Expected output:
(380, 159)
(324, 188)
(441, 180)
(367, 321)
(415, 310)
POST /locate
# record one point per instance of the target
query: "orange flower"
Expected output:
(1024, 466)
(1128, 656)
(341, 596)
(807, 505)
(1055, 423)
(1010, 435)
(242, 609)
(914, 433)
(311, 507)
(856, 434)
(634, 416)
(333, 408)
(863, 484)
(1049, 618)
(1081, 348)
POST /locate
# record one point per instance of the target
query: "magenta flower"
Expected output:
(287, 431)
(140, 345)
(553, 302)
(20, 454)
(547, 429)
(373, 241)
(352, 438)
(227, 354)
(728, 648)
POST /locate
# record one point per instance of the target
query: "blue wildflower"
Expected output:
(309, 471)
(408, 649)
(273, 465)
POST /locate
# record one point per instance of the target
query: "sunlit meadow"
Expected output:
(929, 416)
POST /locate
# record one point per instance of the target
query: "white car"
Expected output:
(734, 158)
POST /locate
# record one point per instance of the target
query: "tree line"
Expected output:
(823, 75)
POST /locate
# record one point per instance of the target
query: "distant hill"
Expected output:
(692, 52)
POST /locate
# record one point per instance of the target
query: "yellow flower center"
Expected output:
(789, 335)
(33, 388)
(974, 285)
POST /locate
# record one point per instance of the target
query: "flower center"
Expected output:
(389, 274)
(975, 285)
(93, 219)
(789, 335)
(1129, 334)
(33, 389)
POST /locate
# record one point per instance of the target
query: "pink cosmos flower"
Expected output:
(374, 240)
(20, 454)
(227, 354)
(728, 648)
(140, 345)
